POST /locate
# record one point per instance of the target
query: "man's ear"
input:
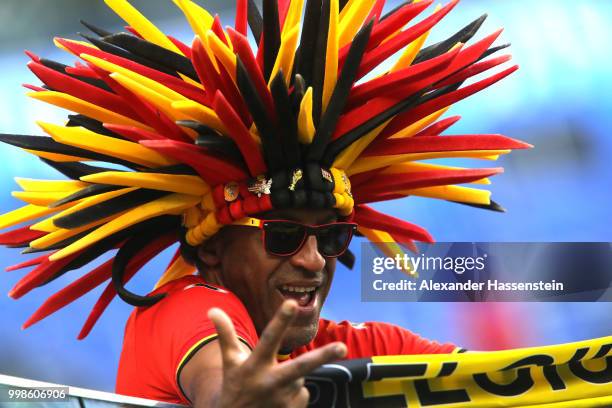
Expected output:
(209, 255)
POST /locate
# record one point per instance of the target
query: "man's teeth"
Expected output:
(298, 289)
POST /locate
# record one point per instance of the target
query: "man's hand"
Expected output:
(257, 380)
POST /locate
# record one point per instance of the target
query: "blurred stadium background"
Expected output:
(560, 191)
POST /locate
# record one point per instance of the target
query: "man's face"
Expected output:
(263, 281)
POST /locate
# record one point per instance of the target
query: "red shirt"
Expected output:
(160, 340)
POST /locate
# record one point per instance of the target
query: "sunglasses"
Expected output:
(286, 238)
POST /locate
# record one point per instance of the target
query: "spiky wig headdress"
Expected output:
(196, 138)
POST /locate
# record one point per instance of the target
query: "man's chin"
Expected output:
(299, 335)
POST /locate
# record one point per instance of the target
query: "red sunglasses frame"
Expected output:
(308, 231)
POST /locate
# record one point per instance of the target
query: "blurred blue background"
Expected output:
(560, 191)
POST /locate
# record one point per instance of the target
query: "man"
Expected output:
(191, 143)
(255, 294)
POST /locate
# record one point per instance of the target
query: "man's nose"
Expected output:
(308, 257)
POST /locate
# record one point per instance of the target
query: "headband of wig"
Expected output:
(189, 138)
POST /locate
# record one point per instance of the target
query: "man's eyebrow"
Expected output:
(284, 216)
(330, 218)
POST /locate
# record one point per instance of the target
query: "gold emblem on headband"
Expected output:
(261, 186)
(347, 184)
(297, 176)
(230, 191)
(327, 175)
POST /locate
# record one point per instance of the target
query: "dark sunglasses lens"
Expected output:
(333, 239)
(283, 238)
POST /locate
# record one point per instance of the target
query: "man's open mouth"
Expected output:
(303, 295)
